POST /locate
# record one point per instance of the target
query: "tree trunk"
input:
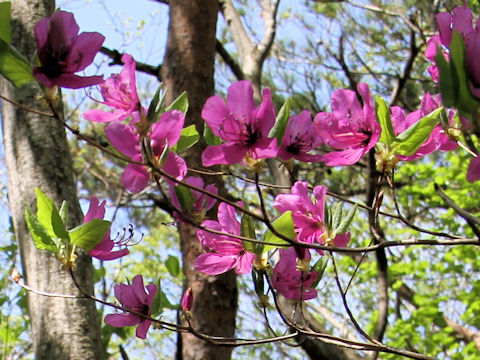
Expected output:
(189, 66)
(37, 155)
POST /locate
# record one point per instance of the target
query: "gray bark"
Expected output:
(37, 155)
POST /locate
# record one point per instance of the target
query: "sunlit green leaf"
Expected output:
(411, 139)
(180, 103)
(13, 66)
(40, 236)
(281, 122)
(49, 216)
(173, 265)
(90, 234)
(5, 26)
(346, 221)
(188, 138)
(283, 225)
(383, 116)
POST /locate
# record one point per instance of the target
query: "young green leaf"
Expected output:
(346, 221)
(40, 236)
(283, 225)
(210, 137)
(383, 117)
(466, 102)
(281, 121)
(248, 230)
(156, 106)
(13, 66)
(320, 267)
(337, 215)
(173, 265)
(411, 139)
(90, 234)
(180, 103)
(5, 27)
(188, 138)
(185, 198)
(49, 216)
(156, 309)
(448, 80)
(64, 212)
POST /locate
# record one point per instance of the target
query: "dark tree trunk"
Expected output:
(189, 66)
(37, 155)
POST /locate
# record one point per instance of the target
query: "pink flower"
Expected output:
(223, 252)
(126, 140)
(62, 52)
(135, 298)
(438, 139)
(349, 127)
(473, 173)
(308, 216)
(289, 280)
(243, 127)
(119, 92)
(299, 139)
(460, 20)
(187, 300)
(103, 251)
(202, 203)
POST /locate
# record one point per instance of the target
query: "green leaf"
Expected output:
(466, 102)
(5, 27)
(155, 108)
(448, 80)
(90, 234)
(13, 66)
(248, 230)
(156, 309)
(210, 137)
(185, 197)
(411, 139)
(173, 265)
(346, 221)
(283, 225)
(180, 103)
(337, 215)
(320, 267)
(40, 236)
(383, 117)
(281, 121)
(49, 216)
(64, 212)
(188, 138)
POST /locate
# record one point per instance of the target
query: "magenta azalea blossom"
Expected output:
(460, 20)
(223, 252)
(349, 127)
(308, 216)
(289, 280)
(438, 139)
(63, 52)
(299, 138)
(202, 202)
(135, 298)
(473, 173)
(119, 92)
(243, 127)
(103, 251)
(126, 140)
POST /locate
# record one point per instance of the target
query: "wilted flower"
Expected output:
(63, 52)
(135, 298)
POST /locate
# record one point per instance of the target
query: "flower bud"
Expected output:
(187, 300)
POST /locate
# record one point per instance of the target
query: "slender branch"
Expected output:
(116, 58)
(230, 61)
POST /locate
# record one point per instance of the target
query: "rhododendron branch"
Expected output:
(346, 307)
(23, 107)
(116, 58)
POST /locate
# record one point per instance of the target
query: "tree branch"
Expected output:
(116, 58)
